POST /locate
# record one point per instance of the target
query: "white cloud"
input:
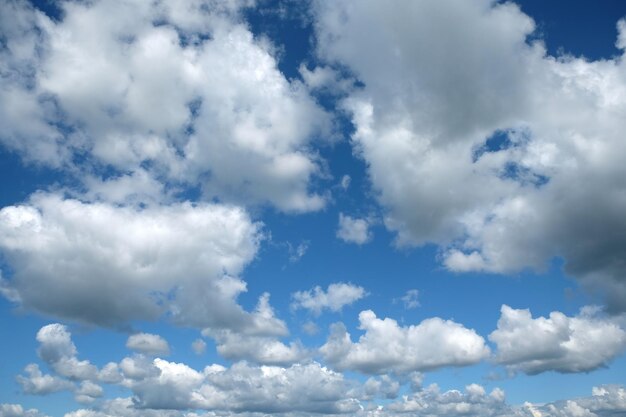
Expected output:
(345, 182)
(198, 346)
(429, 105)
(387, 347)
(474, 401)
(559, 343)
(57, 350)
(16, 410)
(295, 254)
(149, 344)
(353, 230)
(37, 383)
(151, 88)
(258, 349)
(106, 264)
(337, 296)
(410, 299)
(88, 392)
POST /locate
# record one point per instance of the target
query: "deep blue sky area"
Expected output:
(207, 227)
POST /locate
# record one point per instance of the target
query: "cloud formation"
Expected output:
(387, 347)
(557, 343)
(353, 230)
(336, 297)
(151, 91)
(481, 158)
(148, 344)
(105, 264)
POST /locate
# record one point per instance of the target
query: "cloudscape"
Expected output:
(312, 208)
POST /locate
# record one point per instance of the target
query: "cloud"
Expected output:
(151, 91)
(480, 158)
(336, 297)
(88, 392)
(557, 343)
(410, 299)
(198, 346)
(387, 347)
(57, 350)
(295, 254)
(474, 401)
(353, 230)
(148, 344)
(16, 410)
(35, 382)
(105, 264)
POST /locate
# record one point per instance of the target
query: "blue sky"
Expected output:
(253, 208)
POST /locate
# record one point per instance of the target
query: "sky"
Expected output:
(312, 208)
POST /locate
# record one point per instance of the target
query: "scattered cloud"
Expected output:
(557, 343)
(410, 299)
(37, 383)
(295, 254)
(148, 344)
(198, 346)
(353, 230)
(387, 347)
(336, 297)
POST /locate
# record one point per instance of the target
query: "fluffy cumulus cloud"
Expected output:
(161, 388)
(336, 297)
(353, 230)
(149, 344)
(565, 344)
(480, 157)
(388, 347)
(106, 264)
(152, 87)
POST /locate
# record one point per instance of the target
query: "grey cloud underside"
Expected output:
(441, 79)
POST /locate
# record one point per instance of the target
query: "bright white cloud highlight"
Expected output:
(336, 297)
(388, 347)
(559, 343)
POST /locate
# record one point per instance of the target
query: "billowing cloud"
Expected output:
(560, 343)
(149, 344)
(336, 296)
(353, 230)
(37, 383)
(59, 352)
(388, 347)
(106, 264)
(16, 410)
(151, 90)
(481, 158)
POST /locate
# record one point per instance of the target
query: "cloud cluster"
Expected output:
(476, 140)
(162, 388)
(152, 91)
(105, 264)
(558, 342)
(388, 347)
(336, 297)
